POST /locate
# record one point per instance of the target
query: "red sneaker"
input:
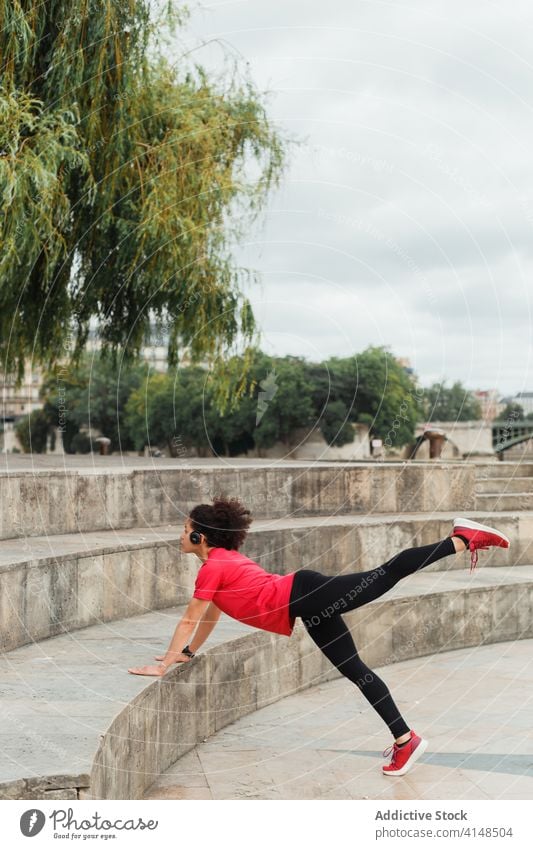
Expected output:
(403, 757)
(478, 536)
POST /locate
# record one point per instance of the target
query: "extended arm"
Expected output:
(192, 618)
(205, 626)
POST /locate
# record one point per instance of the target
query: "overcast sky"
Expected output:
(406, 216)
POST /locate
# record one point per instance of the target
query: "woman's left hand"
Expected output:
(148, 670)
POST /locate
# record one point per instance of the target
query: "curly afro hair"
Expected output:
(224, 523)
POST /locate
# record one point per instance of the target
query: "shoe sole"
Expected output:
(476, 526)
(420, 749)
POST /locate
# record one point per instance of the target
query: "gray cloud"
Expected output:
(406, 219)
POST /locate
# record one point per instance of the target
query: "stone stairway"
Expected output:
(512, 489)
(60, 583)
(327, 742)
(79, 604)
(75, 724)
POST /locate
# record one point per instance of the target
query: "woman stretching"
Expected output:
(230, 582)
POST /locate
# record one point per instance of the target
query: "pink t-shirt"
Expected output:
(244, 590)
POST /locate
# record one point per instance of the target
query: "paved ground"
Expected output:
(474, 705)
(59, 694)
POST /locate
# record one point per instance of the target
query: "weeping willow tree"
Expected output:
(123, 180)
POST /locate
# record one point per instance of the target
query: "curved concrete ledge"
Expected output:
(35, 503)
(106, 576)
(65, 704)
(76, 725)
(327, 742)
(171, 717)
(53, 585)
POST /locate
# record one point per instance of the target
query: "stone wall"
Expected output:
(48, 503)
(174, 714)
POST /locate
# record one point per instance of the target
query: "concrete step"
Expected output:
(75, 724)
(55, 584)
(505, 501)
(81, 500)
(60, 695)
(506, 468)
(326, 742)
(495, 486)
(520, 453)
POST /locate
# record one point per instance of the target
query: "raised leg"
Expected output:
(334, 639)
(318, 596)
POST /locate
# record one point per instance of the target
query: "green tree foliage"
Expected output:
(135, 406)
(283, 400)
(387, 398)
(32, 432)
(93, 394)
(125, 181)
(334, 426)
(170, 411)
(82, 444)
(454, 404)
(371, 388)
(512, 412)
(330, 395)
(277, 403)
(284, 394)
(179, 411)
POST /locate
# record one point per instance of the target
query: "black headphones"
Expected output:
(195, 537)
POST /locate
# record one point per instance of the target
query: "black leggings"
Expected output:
(319, 600)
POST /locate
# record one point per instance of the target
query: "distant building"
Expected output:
(525, 399)
(405, 363)
(154, 353)
(491, 403)
(18, 401)
(21, 400)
